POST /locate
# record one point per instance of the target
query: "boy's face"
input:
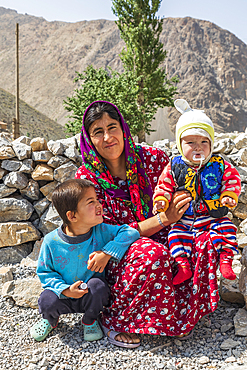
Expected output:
(194, 146)
(89, 210)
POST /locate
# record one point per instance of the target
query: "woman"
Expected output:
(144, 299)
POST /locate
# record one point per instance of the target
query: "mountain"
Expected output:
(33, 123)
(210, 63)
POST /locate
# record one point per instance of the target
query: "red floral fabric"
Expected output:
(144, 299)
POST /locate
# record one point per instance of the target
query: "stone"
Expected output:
(2, 173)
(244, 257)
(41, 206)
(42, 156)
(15, 180)
(225, 327)
(11, 165)
(38, 143)
(243, 226)
(223, 146)
(72, 153)
(42, 172)
(12, 209)
(70, 141)
(6, 152)
(49, 221)
(6, 274)
(242, 240)
(65, 172)
(47, 189)
(230, 359)
(56, 147)
(229, 344)
(25, 292)
(203, 360)
(243, 173)
(240, 141)
(32, 259)
(27, 166)
(5, 191)
(4, 142)
(57, 161)
(22, 151)
(243, 195)
(31, 191)
(229, 291)
(15, 254)
(23, 140)
(240, 322)
(240, 211)
(16, 233)
(242, 154)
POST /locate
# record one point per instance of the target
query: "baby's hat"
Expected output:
(192, 122)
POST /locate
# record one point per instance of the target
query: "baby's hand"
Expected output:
(158, 206)
(98, 261)
(73, 291)
(228, 201)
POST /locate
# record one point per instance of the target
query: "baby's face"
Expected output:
(195, 146)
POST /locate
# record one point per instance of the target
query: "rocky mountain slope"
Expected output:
(33, 123)
(210, 62)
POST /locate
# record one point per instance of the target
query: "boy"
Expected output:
(214, 185)
(78, 252)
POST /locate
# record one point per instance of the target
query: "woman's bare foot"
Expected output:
(126, 337)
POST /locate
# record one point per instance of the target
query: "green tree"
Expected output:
(143, 86)
(140, 28)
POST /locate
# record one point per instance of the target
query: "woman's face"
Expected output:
(107, 136)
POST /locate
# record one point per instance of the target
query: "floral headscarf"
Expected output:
(140, 199)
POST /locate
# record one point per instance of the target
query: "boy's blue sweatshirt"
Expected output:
(63, 259)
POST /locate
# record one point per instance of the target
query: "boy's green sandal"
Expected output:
(92, 332)
(40, 330)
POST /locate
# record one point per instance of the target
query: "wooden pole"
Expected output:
(17, 119)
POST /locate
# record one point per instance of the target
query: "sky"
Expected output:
(228, 14)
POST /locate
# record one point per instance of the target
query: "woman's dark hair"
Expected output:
(67, 195)
(97, 110)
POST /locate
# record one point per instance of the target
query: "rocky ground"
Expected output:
(213, 346)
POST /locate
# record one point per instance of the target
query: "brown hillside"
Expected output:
(210, 62)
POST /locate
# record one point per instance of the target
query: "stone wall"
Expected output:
(29, 171)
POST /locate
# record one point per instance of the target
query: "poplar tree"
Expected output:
(143, 55)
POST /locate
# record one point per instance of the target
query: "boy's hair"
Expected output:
(67, 195)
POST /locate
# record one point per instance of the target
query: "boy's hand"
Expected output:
(73, 291)
(98, 261)
(158, 206)
(228, 201)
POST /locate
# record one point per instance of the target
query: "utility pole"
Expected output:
(16, 120)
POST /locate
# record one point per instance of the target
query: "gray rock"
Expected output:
(240, 322)
(12, 209)
(57, 161)
(11, 165)
(6, 274)
(22, 151)
(225, 327)
(49, 221)
(16, 233)
(31, 191)
(229, 291)
(243, 173)
(71, 141)
(41, 206)
(32, 259)
(65, 172)
(4, 142)
(72, 153)
(15, 254)
(42, 156)
(27, 166)
(243, 195)
(241, 140)
(25, 292)
(240, 211)
(56, 147)
(15, 180)
(5, 191)
(244, 257)
(223, 146)
(6, 152)
(23, 140)
(229, 343)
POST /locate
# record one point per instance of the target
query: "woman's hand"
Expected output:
(98, 261)
(178, 205)
(73, 291)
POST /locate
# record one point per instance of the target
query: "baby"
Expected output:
(214, 185)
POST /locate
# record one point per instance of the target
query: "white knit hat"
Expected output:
(193, 122)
